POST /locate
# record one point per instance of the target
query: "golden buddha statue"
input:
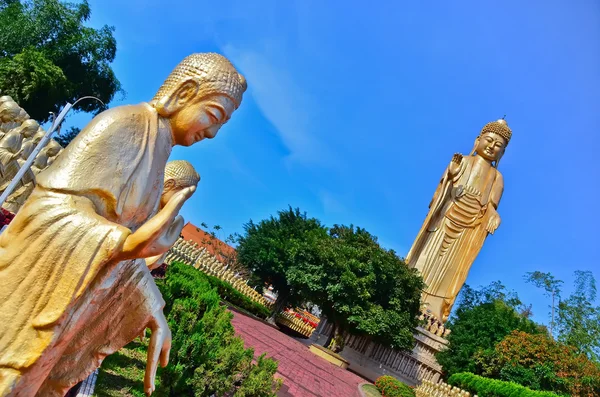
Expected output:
(9, 112)
(16, 199)
(11, 150)
(129, 296)
(461, 215)
(179, 174)
(96, 206)
(53, 149)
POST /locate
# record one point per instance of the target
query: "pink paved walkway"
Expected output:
(303, 373)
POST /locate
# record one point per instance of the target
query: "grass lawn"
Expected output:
(122, 373)
(370, 391)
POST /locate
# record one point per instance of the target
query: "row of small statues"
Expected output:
(431, 389)
(293, 323)
(191, 254)
(433, 325)
(19, 136)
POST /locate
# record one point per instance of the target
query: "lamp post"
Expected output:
(56, 122)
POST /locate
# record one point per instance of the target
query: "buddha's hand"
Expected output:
(454, 166)
(160, 232)
(493, 221)
(158, 350)
(16, 155)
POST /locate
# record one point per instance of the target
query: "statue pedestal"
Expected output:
(372, 360)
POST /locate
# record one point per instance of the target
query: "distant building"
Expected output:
(219, 249)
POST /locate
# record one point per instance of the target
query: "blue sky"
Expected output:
(354, 109)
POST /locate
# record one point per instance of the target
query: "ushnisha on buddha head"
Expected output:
(199, 96)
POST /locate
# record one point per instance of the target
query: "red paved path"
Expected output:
(303, 373)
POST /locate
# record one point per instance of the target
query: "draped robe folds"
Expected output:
(9, 145)
(454, 232)
(59, 251)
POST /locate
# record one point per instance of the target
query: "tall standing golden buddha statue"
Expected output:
(461, 215)
(96, 206)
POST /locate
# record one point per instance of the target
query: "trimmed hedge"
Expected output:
(486, 387)
(389, 386)
(232, 295)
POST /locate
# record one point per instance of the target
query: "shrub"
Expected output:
(485, 387)
(391, 387)
(541, 363)
(206, 357)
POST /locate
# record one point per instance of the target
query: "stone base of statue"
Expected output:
(372, 360)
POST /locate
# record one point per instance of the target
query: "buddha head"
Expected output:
(29, 128)
(199, 96)
(37, 137)
(22, 115)
(9, 111)
(53, 148)
(492, 141)
(179, 174)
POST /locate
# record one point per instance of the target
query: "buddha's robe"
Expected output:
(62, 245)
(9, 145)
(454, 231)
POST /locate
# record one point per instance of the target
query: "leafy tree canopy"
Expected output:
(65, 138)
(541, 363)
(358, 285)
(287, 244)
(48, 57)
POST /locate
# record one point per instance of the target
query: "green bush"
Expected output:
(206, 357)
(486, 387)
(232, 295)
(391, 387)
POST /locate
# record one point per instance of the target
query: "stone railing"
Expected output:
(372, 360)
(431, 389)
(191, 254)
(292, 322)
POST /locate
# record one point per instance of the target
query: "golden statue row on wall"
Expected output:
(19, 135)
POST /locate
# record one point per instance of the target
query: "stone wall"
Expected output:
(199, 257)
(373, 360)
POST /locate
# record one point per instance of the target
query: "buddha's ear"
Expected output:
(475, 146)
(181, 96)
(170, 184)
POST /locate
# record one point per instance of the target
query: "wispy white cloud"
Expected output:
(330, 203)
(287, 107)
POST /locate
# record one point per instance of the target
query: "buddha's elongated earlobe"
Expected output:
(169, 104)
(475, 146)
(499, 158)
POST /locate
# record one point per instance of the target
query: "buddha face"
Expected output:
(491, 146)
(200, 119)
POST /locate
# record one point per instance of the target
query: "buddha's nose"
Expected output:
(211, 131)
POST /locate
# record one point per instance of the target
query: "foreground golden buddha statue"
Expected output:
(96, 206)
(130, 297)
(461, 214)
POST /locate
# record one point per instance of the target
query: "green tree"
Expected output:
(363, 289)
(280, 246)
(552, 288)
(48, 57)
(578, 320)
(482, 318)
(65, 138)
